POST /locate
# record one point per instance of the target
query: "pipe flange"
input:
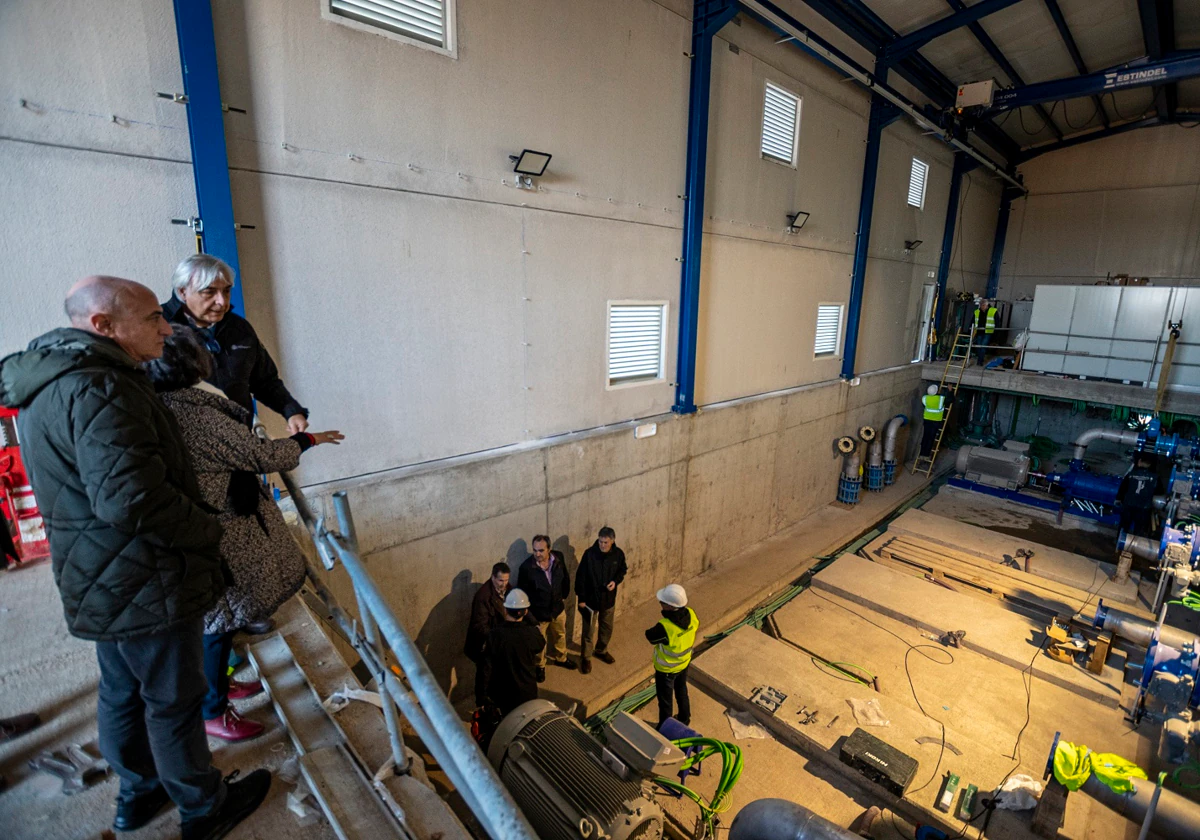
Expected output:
(846, 445)
(867, 433)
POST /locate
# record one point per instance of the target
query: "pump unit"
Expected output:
(569, 785)
(993, 467)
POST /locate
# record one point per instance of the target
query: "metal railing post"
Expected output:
(341, 506)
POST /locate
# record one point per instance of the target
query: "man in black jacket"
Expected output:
(487, 613)
(134, 551)
(543, 577)
(243, 368)
(600, 572)
(513, 650)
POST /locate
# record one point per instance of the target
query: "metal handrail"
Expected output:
(422, 702)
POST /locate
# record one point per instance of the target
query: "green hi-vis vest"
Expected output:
(989, 323)
(675, 654)
(935, 406)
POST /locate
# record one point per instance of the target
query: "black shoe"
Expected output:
(565, 663)
(259, 628)
(241, 798)
(585, 666)
(541, 675)
(606, 658)
(137, 812)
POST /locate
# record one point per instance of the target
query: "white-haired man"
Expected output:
(243, 368)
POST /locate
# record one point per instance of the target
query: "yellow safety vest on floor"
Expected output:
(990, 322)
(935, 407)
(676, 654)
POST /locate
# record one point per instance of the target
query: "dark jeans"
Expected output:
(597, 643)
(928, 433)
(151, 731)
(483, 670)
(217, 647)
(1135, 520)
(981, 342)
(667, 684)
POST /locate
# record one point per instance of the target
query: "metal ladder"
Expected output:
(960, 356)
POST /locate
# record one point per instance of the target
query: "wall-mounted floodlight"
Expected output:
(796, 220)
(530, 162)
(912, 244)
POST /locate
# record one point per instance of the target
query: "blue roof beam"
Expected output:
(1001, 59)
(913, 41)
(1142, 73)
(1073, 49)
(1158, 34)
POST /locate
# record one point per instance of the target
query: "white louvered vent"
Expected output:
(424, 20)
(829, 329)
(916, 183)
(635, 341)
(781, 121)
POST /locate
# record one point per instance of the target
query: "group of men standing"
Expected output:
(515, 631)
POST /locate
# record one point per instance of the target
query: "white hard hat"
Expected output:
(516, 600)
(932, 389)
(673, 595)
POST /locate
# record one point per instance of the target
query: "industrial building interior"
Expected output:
(857, 319)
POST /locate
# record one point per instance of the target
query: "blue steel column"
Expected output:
(961, 167)
(707, 18)
(1006, 200)
(206, 130)
(883, 113)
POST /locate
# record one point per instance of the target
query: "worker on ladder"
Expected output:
(984, 337)
(934, 405)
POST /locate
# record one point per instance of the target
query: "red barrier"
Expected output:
(22, 521)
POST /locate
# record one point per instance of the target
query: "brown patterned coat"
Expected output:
(266, 563)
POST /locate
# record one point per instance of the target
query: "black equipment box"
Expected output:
(882, 764)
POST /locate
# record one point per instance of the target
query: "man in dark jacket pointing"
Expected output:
(600, 572)
(134, 551)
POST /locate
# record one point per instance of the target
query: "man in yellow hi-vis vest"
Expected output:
(983, 332)
(673, 638)
(933, 407)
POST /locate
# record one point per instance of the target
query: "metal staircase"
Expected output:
(960, 356)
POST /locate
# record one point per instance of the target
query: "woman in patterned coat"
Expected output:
(264, 560)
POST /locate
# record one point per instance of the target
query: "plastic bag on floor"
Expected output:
(1018, 793)
(289, 771)
(341, 698)
(298, 803)
(744, 725)
(869, 712)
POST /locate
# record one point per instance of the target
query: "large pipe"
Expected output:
(1143, 547)
(875, 453)
(851, 463)
(1125, 437)
(1175, 818)
(1139, 631)
(890, 432)
(779, 819)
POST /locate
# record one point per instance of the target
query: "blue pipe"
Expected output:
(206, 131)
(707, 18)
(962, 165)
(883, 113)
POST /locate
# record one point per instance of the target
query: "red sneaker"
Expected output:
(239, 690)
(233, 727)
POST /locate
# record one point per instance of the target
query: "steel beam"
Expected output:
(1135, 74)
(1158, 34)
(883, 113)
(708, 16)
(206, 131)
(1087, 137)
(1068, 40)
(962, 164)
(913, 41)
(1006, 200)
(1001, 59)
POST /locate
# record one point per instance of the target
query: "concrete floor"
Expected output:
(44, 669)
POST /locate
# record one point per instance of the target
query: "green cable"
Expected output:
(1191, 767)
(1190, 600)
(837, 667)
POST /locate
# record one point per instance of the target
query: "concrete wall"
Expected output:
(1128, 204)
(702, 489)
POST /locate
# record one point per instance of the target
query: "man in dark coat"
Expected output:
(487, 613)
(600, 572)
(513, 650)
(543, 577)
(243, 368)
(134, 550)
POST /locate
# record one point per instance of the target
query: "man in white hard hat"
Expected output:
(933, 406)
(513, 649)
(673, 638)
(983, 331)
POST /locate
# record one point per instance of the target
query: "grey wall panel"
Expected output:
(1142, 315)
(1091, 323)
(1051, 313)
